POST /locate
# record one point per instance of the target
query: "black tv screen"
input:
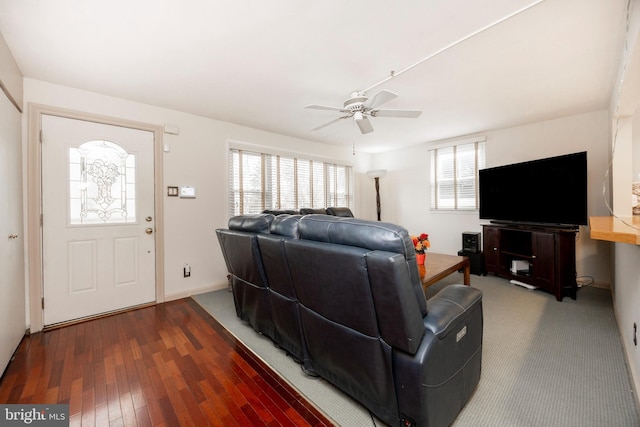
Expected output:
(546, 191)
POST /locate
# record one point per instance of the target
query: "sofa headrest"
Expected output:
(307, 211)
(280, 212)
(344, 212)
(371, 235)
(259, 223)
(286, 225)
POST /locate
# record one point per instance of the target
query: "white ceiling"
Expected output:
(258, 63)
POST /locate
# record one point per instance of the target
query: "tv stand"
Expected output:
(521, 224)
(545, 255)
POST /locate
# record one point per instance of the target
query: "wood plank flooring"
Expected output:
(167, 365)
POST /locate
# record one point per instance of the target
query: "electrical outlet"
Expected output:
(407, 422)
(186, 270)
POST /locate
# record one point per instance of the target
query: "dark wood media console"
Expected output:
(546, 256)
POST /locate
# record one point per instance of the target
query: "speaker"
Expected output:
(471, 242)
(476, 262)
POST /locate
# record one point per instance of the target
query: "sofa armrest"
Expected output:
(435, 383)
(448, 306)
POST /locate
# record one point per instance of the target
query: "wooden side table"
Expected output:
(438, 266)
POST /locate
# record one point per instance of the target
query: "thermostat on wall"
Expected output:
(187, 192)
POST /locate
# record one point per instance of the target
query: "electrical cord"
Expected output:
(373, 419)
(585, 281)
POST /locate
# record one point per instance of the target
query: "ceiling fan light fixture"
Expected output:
(360, 106)
(363, 123)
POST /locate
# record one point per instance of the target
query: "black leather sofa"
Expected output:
(343, 297)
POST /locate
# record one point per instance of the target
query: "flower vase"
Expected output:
(420, 258)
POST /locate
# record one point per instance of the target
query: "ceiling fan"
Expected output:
(360, 107)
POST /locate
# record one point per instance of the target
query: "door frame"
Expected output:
(34, 200)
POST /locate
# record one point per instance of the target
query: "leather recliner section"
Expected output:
(344, 296)
(242, 256)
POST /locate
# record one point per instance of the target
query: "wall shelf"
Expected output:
(615, 229)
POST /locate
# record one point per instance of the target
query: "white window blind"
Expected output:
(454, 175)
(259, 181)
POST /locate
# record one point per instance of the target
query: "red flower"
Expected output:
(421, 243)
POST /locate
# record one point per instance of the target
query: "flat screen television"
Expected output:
(551, 191)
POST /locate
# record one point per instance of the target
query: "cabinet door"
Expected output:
(543, 260)
(12, 307)
(491, 245)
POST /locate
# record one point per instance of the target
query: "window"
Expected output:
(101, 184)
(259, 181)
(454, 175)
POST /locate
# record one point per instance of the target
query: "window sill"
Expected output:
(615, 229)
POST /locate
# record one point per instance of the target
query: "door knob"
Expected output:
(149, 230)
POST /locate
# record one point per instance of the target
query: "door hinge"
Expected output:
(41, 220)
(41, 136)
(43, 303)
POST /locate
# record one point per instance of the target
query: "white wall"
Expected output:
(10, 75)
(405, 193)
(626, 301)
(197, 157)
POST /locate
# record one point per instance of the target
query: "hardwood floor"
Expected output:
(167, 365)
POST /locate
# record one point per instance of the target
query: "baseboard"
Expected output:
(195, 291)
(602, 285)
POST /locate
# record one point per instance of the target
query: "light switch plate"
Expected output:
(187, 192)
(172, 191)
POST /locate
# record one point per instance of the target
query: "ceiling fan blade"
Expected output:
(365, 125)
(331, 122)
(412, 114)
(325, 107)
(379, 99)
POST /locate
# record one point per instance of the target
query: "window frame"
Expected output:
(435, 183)
(273, 179)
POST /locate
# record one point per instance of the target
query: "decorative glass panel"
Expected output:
(101, 184)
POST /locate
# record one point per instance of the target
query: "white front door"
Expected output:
(97, 218)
